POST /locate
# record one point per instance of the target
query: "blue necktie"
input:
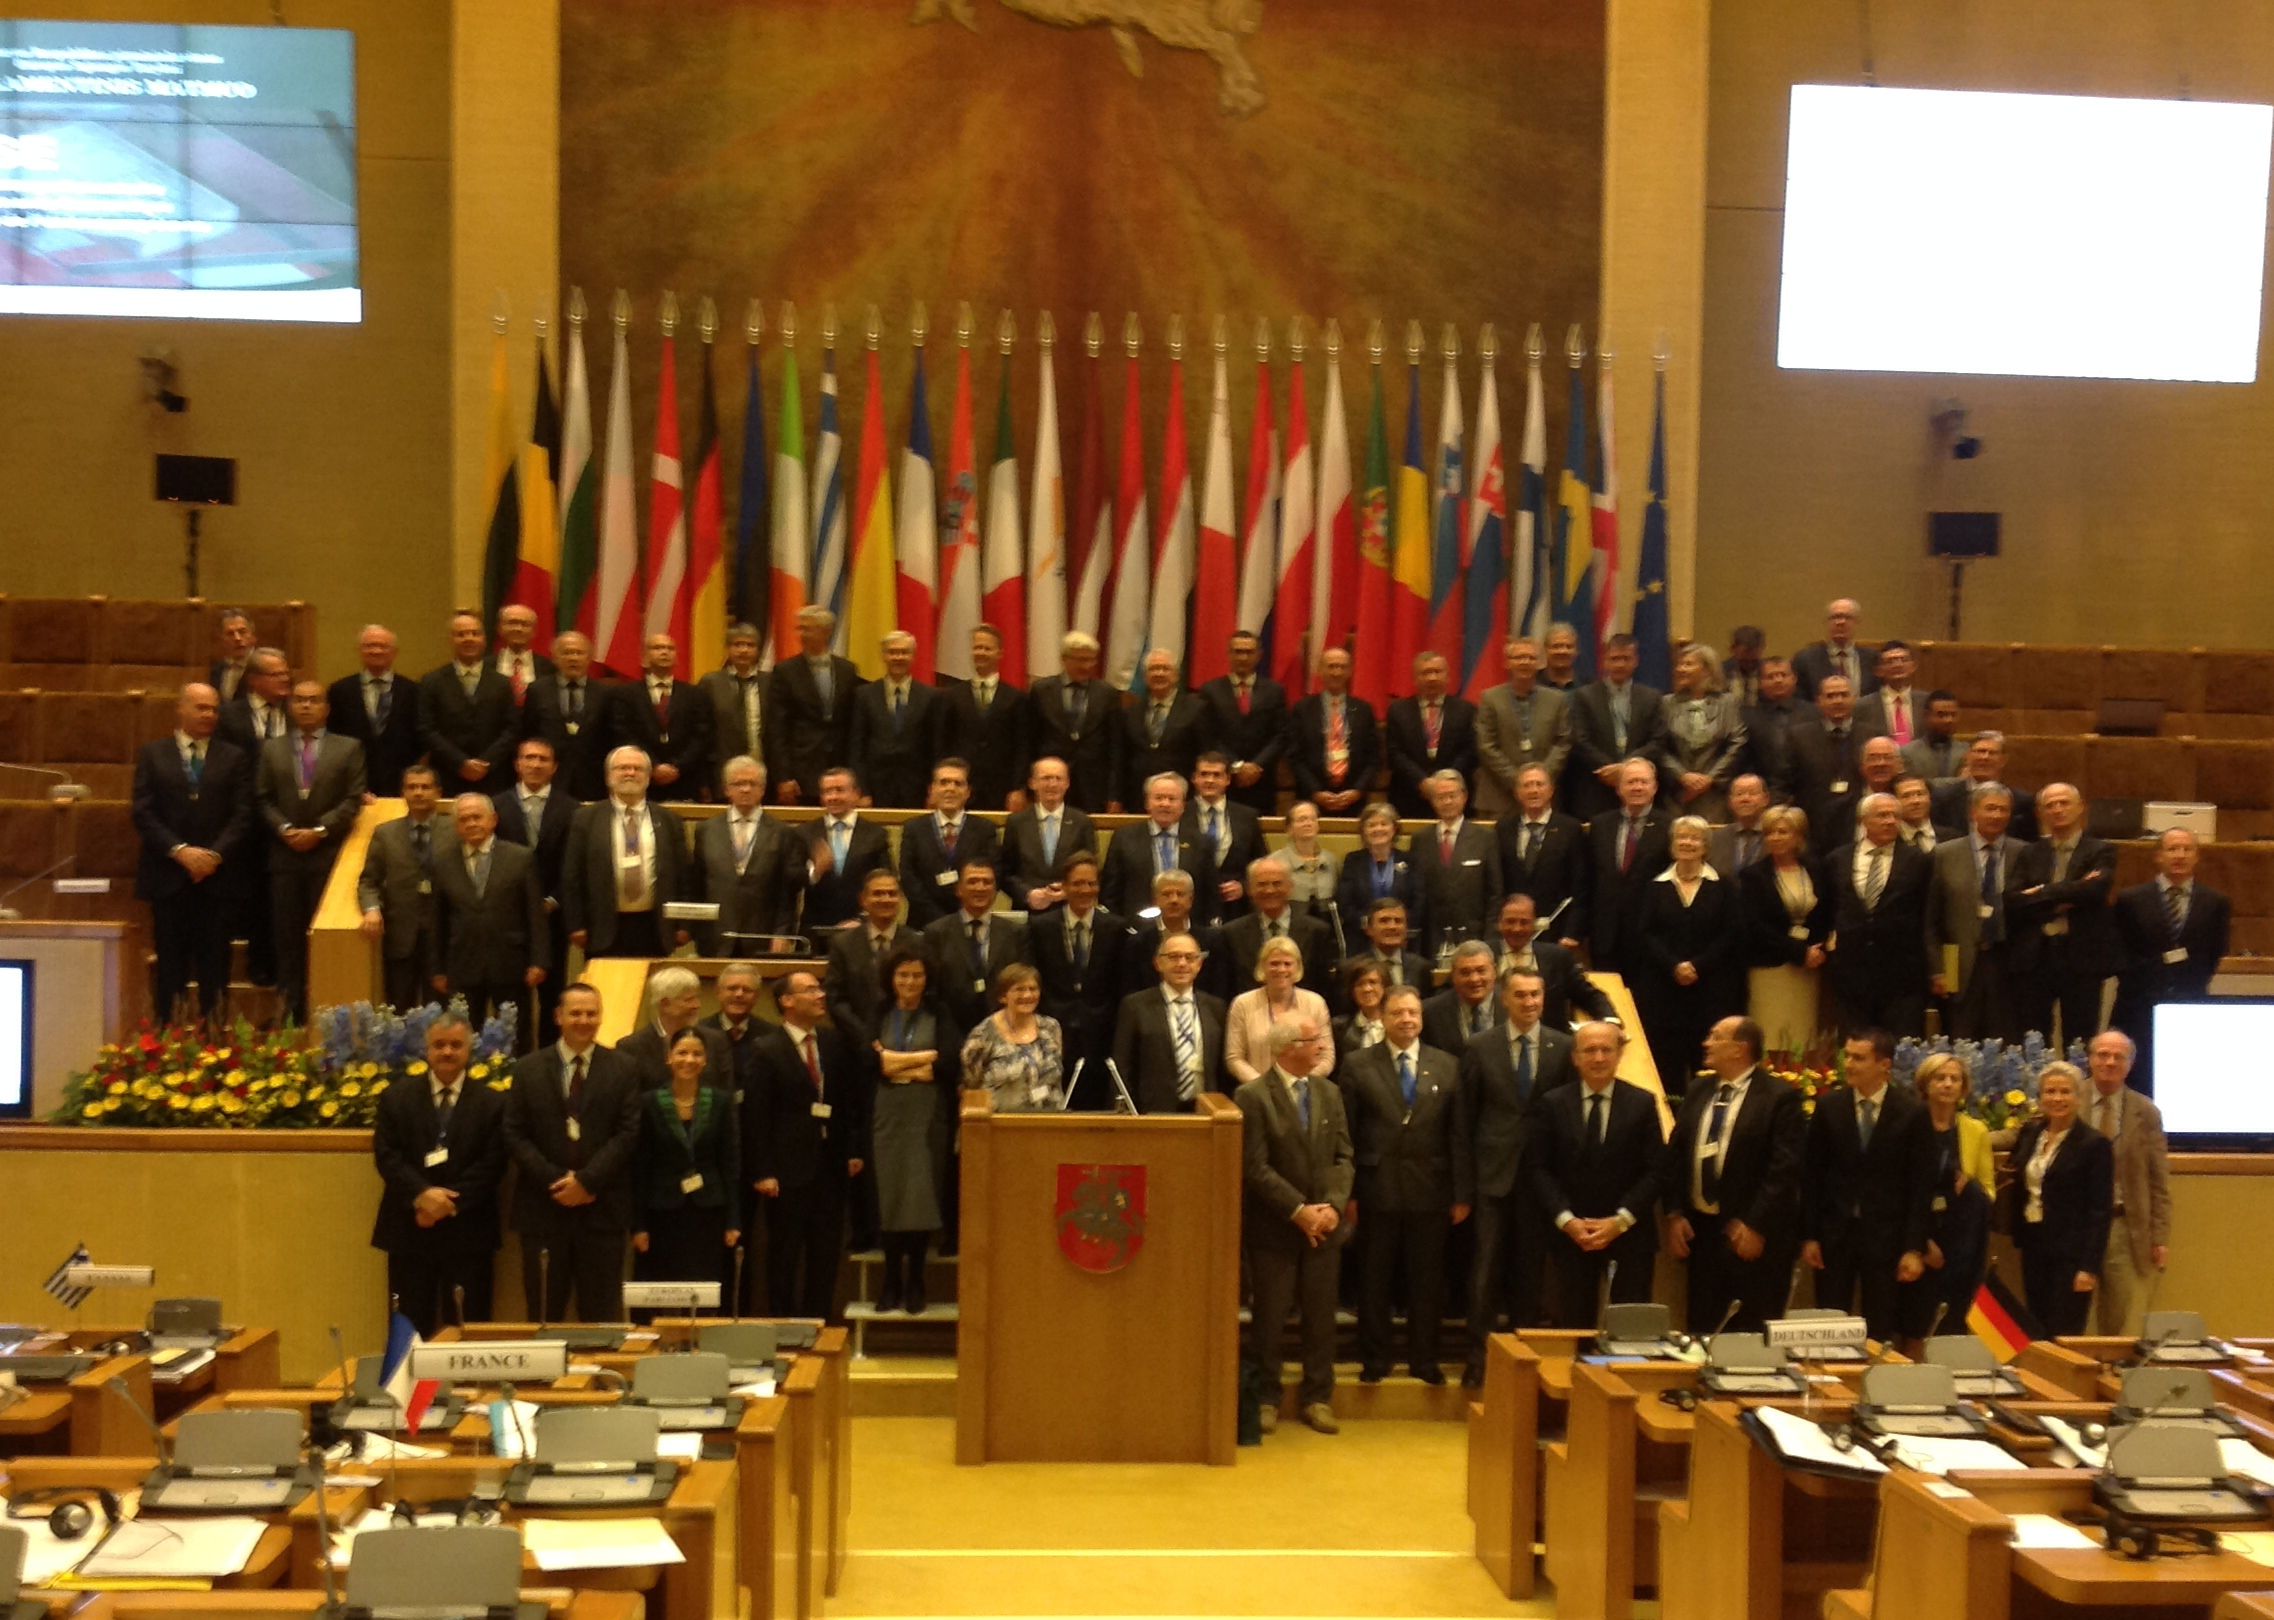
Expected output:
(899, 709)
(1406, 1081)
(1383, 872)
(1050, 839)
(1165, 860)
(1303, 1101)
(1993, 925)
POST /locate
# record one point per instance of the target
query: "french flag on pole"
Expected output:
(395, 1374)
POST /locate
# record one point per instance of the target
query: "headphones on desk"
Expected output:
(2140, 1541)
(68, 1514)
(465, 1510)
(1682, 1400)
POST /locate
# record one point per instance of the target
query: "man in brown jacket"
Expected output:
(2139, 1235)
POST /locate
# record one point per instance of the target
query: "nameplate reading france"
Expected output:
(491, 1361)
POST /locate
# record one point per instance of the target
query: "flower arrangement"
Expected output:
(1816, 1070)
(252, 1079)
(2005, 1076)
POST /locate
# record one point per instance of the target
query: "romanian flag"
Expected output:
(1002, 553)
(1486, 547)
(616, 632)
(1174, 550)
(791, 555)
(1128, 599)
(1259, 539)
(919, 564)
(1217, 613)
(1449, 522)
(1410, 587)
(1370, 669)
(501, 557)
(1575, 574)
(411, 1398)
(667, 518)
(871, 607)
(958, 530)
(536, 577)
(1046, 531)
(1294, 624)
(1334, 575)
(702, 648)
(579, 493)
(2000, 1321)
(1652, 634)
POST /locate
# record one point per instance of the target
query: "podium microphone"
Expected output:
(741, 1253)
(458, 1306)
(117, 1386)
(332, 1608)
(1603, 1303)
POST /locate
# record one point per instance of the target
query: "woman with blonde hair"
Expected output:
(1705, 735)
(1685, 965)
(2059, 1203)
(1785, 906)
(1962, 1183)
(1014, 1052)
(1278, 996)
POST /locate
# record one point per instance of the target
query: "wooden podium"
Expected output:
(1099, 1286)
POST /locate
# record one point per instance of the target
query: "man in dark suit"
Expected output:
(846, 850)
(1970, 926)
(1160, 729)
(2173, 932)
(1741, 670)
(1878, 965)
(805, 1144)
(1464, 1009)
(674, 1004)
(752, 869)
(1172, 896)
(1559, 658)
(894, 726)
(1567, 988)
(667, 719)
(1037, 839)
(1504, 1073)
(1627, 848)
(1543, 853)
(310, 786)
(1159, 843)
(626, 861)
(1081, 951)
(809, 711)
(396, 891)
(1878, 763)
(258, 713)
(1731, 1184)
(736, 698)
(1336, 747)
(2064, 929)
(1168, 1042)
(1385, 928)
(853, 987)
(439, 1144)
(973, 944)
(569, 709)
(1613, 719)
(489, 915)
(1459, 863)
(1073, 716)
(1596, 1157)
(536, 813)
(1768, 727)
(1247, 721)
(1229, 831)
(516, 657)
(1431, 731)
(1740, 841)
(933, 850)
(1824, 758)
(249, 722)
(984, 720)
(1298, 1163)
(1895, 708)
(466, 716)
(1865, 1187)
(193, 811)
(738, 985)
(379, 709)
(1272, 888)
(1414, 1184)
(572, 1127)
(1985, 764)
(227, 672)
(1839, 653)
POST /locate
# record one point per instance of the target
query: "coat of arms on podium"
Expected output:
(1101, 1214)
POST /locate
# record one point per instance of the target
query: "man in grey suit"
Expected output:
(1503, 1072)
(737, 698)
(1459, 863)
(1414, 1183)
(2139, 1232)
(753, 869)
(1934, 753)
(396, 891)
(971, 945)
(1969, 914)
(1039, 837)
(310, 788)
(626, 861)
(674, 1003)
(1299, 1164)
(1168, 1042)
(489, 917)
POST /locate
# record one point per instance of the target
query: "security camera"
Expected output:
(158, 380)
(1965, 447)
(1948, 419)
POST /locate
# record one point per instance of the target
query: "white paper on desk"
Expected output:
(2241, 1457)
(45, 1555)
(757, 1389)
(1802, 1441)
(379, 1447)
(2074, 1443)
(557, 1544)
(2043, 1531)
(2255, 1545)
(508, 1433)
(688, 1446)
(175, 1549)
(1939, 1454)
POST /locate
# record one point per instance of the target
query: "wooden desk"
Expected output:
(1600, 1486)
(1946, 1553)
(1504, 1465)
(2244, 1606)
(272, 1562)
(250, 1358)
(282, 1603)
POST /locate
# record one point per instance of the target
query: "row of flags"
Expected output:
(1439, 554)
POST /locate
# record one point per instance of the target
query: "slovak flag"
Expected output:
(412, 1398)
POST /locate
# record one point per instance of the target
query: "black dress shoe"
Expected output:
(889, 1300)
(1372, 1375)
(1472, 1378)
(916, 1300)
(1433, 1376)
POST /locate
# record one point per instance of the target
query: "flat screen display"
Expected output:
(2214, 1073)
(15, 1039)
(163, 170)
(2025, 235)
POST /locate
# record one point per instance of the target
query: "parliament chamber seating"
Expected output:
(122, 644)
(2042, 688)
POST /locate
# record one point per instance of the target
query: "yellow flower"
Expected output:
(116, 1088)
(378, 1086)
(94, 1110)
(417, 1066)
(329, 1110)
(177, 1102)
(480, 1071)
(292, 1099)
(111, 1105)
(502, 1085)
(232, 1105)
(351, 1089)
(369, 1071)
(2014, 1099)
(202, 1105)
(206, 1060)
(235, 1077)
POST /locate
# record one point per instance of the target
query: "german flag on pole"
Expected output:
(2000, 1321)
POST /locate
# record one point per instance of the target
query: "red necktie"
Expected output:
(663, 706)
(1436, 720)
(1445, 845)
(813, 1064)
(1902, 707)
(520, 681)
(1243, 697)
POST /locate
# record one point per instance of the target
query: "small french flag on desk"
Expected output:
(395, 1376)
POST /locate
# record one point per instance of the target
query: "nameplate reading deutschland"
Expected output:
(491, 1361)
(1818, 1333)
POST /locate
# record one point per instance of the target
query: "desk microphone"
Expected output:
(1714, 1338)
(9, 913)
(1603, 1304)
(458, 1306)
(117, 1386)
(544, 1284)
(324, 1555)
(1124, 1103)
(741, 1252)
(2148, 1347)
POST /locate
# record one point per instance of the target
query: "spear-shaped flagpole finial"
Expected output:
(1295, 339)
(1535, 346)
(576, 309)
(917, 325)
(1045, 330)
(1176, 337)
(707, 318)
(620, 309)
(1006, 332)
(1662, 354)
(1488, 343)
(501, 314)
(875, 327)
(1375, 344)
(1574, 347)
(829, 326)
(963, 324)
(1413, 343)
(670, 314)
(1332, 340)
(1450, 341)
(1132, 334)
(1093, 333)
(1263, 340)
(754, 322)
(1605, 356)
(1219, 335)
(789, 324)
(543, 326)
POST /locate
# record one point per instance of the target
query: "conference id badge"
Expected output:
(1798, 931)
(1985, 911)
(629, 863)
(1841, 786)
(576, 1129)
(691, 1182)
(1038, 1095)
(946, 880)
(822, 1110)
(440, 1156)
(426, 885)
(978, 987)
(2175, 956)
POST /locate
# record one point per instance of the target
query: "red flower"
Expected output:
(149, 1042)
